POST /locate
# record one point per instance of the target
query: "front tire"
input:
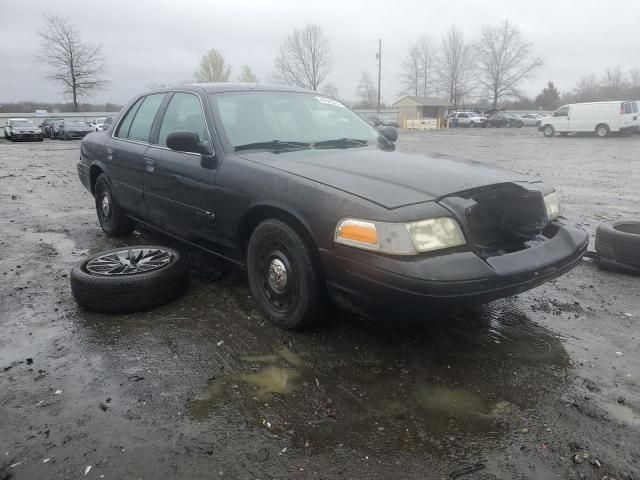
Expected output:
(111, 215)
(548, 131)
(285, 276)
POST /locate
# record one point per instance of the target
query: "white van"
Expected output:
(601, 118)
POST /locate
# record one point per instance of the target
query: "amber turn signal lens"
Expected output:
(359, 233)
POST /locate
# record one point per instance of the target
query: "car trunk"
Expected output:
(499, 219)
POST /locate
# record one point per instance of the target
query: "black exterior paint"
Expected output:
(212, 202)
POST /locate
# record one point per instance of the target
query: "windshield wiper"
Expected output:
(276, 145)
(341, 143)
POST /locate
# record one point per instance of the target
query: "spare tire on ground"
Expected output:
(619, 241)
(130, 279)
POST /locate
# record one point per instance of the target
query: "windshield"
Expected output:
(296, 120)
(22, 123)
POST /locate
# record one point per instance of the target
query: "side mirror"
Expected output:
(389, 133)
(186, 141)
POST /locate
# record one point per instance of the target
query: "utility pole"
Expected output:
(379, 70)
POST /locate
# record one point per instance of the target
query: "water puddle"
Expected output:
(206, 403)
(272, 380)
(623, 413)
(451, 401)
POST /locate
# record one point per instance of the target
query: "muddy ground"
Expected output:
(542, 385)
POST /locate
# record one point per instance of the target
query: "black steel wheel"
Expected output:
(112, 217)
(285, 276)
(130, 279)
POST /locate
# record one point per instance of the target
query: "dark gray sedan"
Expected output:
(315, 203)
(70, 129)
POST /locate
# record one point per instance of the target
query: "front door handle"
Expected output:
(149, 164)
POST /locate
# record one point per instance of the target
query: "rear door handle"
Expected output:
(149, 164)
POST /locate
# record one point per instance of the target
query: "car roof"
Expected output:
(237, 87)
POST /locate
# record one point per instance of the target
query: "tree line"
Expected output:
(488, 70)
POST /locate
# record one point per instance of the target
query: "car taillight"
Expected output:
(622, 108)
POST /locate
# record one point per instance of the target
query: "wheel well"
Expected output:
(94, 173)
(602, 125)
(256, 215)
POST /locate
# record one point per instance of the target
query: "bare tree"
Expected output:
(304, 59)
(613, 80)
(411, 71)
(367, 91)
(76, 65)
(212, 68)
(247, 75)
(587, 89)
(330, 89)
(504, 61)
(634, 78)
(455, 65)
(419, 68)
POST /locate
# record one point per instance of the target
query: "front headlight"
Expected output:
(552, 205)
(39, 130)
(400, 238)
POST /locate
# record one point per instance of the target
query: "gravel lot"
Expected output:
(542, 385)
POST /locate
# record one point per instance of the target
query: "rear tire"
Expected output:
(111, 215)
(548, 131)
(285, 276)
(602, 131)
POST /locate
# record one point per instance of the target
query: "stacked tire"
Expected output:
(618, 245)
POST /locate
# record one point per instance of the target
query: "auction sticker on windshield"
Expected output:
(330, 101)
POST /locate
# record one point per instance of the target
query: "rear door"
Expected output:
(125, 152)
(179, 185)
(628, 119)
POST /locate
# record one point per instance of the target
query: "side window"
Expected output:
(561, 112)
(628, 108)
(183, 113)
(125, 124)
(634, 107)
(464, 115)
(141, 126)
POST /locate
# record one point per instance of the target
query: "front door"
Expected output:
(561, 119)
(179, 186)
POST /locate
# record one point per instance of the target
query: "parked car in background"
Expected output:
(317, 209)
(47, 126)
(97, 123)
(599, 118)
(22, 129)
(70, 129)
(106, 124)
(468, 119)
(380, 121)
(55, 128)
(502, 119)
(531, 119)
(8, 125)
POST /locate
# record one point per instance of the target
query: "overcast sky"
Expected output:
(161, 41)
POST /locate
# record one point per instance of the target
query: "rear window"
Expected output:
(628, 108)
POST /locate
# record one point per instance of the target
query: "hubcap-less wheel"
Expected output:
(279, 283)
(548, 131)
(129, 261)
(106, 206)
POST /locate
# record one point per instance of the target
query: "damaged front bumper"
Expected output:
(371, 284)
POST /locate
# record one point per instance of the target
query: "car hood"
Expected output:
(390, 179)
(78, 129)
(25, 129)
